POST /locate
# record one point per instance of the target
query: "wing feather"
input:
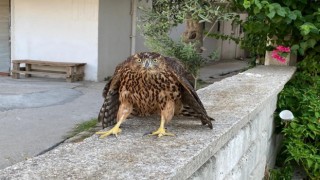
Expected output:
(189, 95)
(110, 106)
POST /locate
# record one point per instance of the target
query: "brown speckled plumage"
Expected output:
(145, 84)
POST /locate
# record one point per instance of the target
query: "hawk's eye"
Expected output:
(139, 60)
(155, 60)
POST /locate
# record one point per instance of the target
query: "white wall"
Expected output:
(114, 35)
(56, 30)
(211, 44)
(231, 50)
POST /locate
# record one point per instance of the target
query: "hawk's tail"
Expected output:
(205, 119)
(109, 110)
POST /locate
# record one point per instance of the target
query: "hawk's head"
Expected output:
(147, 61)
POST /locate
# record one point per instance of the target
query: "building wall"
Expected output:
(114, 35)
(140, 45)
(59, 30)
(229, 49)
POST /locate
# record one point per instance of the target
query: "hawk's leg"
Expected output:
(166, 115)
(162, 131)
(124, 111)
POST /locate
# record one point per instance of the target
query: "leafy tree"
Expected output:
(294, 23)
(156, 23)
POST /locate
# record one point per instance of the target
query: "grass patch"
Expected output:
(85, 126)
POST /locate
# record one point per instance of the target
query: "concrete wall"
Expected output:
(56, 30)
(249, 152)
(114, 35)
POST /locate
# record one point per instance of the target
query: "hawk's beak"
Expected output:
(147, 64)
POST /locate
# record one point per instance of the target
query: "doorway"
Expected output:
(5, 37)
(229, 49)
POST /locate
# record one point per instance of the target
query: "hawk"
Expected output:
(149, 83)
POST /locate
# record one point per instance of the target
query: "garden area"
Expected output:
(282, 28)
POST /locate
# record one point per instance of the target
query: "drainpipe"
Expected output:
(133, 25)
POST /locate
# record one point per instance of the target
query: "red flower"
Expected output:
(283, 49)
(280, 52)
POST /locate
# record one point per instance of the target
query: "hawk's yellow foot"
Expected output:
(161, 132)
(115, 131)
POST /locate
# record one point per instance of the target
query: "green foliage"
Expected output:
(302, 96)
(284, 173)
(294, 23)
(176, 11)
(156, 23)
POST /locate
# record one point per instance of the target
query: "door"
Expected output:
(4, 36)
(231, 50)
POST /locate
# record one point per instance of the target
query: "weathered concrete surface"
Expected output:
(233, 102)
(36, 113)
(38, 99)
(218, 70)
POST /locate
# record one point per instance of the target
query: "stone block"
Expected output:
(247, 163)
(228, 156)
(259, 170)
(207, 171)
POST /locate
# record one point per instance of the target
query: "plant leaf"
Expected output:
(271, 14)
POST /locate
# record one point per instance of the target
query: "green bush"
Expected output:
(302, 136)
(295, 24)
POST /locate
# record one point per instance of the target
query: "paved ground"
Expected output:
(36, 113)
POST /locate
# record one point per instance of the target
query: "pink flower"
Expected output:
(283, 49)
(275, 55)
(280, 52)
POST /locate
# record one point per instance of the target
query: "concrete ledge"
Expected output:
(242, 106)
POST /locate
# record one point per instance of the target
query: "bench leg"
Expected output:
(70, 74)
(28, 68)
(16, 67)
(80, 73)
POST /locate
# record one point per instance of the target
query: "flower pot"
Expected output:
(291, 60)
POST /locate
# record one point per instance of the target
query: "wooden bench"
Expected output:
(71, 71)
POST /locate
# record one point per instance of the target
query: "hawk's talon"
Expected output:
(161, 132)
(147, 133)
(115, 131)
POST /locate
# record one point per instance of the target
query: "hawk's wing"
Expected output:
(110, 106)
(190, 99)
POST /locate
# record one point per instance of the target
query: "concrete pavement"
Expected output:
(36, 113)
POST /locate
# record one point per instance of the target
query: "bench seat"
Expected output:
(69, 70)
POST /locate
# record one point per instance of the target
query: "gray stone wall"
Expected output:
(248, 153)
(240, 145)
